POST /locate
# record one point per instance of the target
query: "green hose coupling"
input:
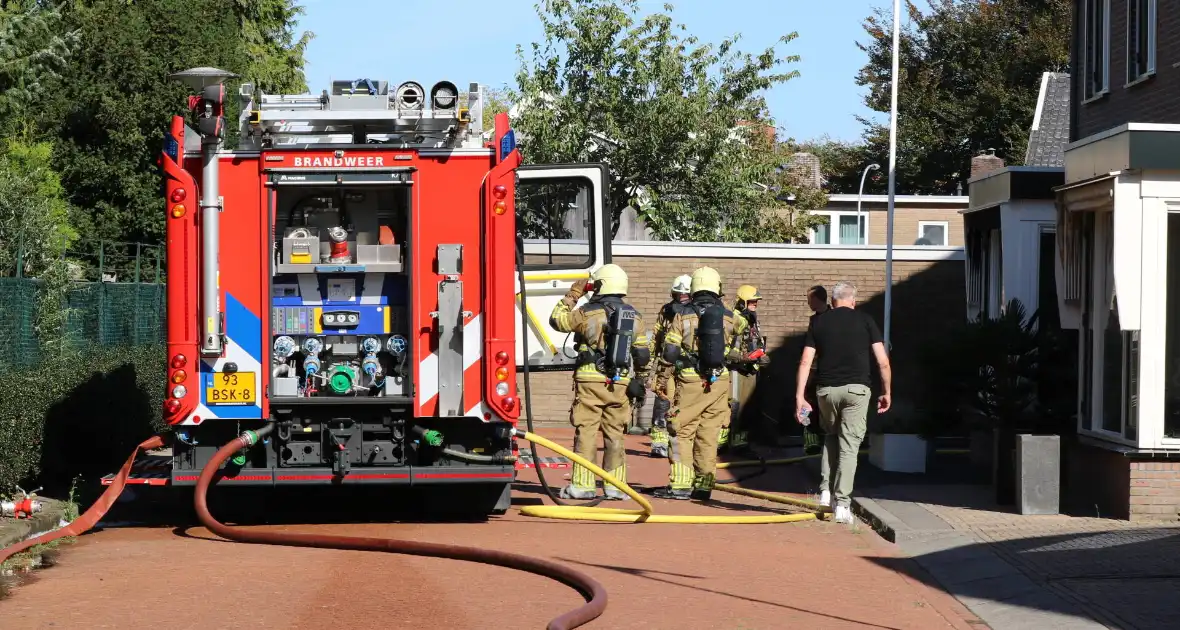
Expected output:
(250, 438)
(432, 437)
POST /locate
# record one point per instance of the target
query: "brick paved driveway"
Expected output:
(815, 575)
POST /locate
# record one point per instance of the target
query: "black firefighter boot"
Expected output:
(668, 492)
(660, 439)
(682, 477)
(702, 487)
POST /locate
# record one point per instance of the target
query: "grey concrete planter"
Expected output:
(1038, 474)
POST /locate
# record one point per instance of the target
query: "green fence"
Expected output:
(100, 313)
(18, 312)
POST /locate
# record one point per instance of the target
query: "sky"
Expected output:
(465, 41)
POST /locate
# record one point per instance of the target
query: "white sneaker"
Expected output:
(843, 514)
(825, 498)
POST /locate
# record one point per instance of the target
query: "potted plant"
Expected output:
(949, 367)
(1003, 386)
(899, 442)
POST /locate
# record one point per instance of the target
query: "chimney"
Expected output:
(806, 169)
(986, 162)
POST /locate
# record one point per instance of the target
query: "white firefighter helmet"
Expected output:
(682, 284)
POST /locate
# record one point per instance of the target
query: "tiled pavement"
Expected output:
(1032, 571)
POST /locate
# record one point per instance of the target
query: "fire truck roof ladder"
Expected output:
(364, 112)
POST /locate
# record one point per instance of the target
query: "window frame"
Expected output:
(834, 221)
(1100, 293)
(946, 232)
(1147, 13)
(1090, 92)
(585, 196)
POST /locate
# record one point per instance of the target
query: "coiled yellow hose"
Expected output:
(645, 514)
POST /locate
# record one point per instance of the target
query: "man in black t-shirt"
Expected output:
(813, 434)
(817, 301)
(843, 340)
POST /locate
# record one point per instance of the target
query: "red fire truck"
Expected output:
(348, 272)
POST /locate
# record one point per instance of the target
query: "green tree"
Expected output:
(106, 107)
(783, 200)
(112, 105)
(662, 110)
(34, 215)
(33, 50)
(35, 234)
(495, 101)
(275, 54)
(970, 72)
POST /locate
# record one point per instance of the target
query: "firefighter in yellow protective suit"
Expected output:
(751, 344)
(665, 383)
(699, 344)
(613, 358)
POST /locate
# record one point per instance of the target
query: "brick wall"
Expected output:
(1156, 100)
(928, 305)
(906, 221)
(1099, 481)
(1155, 491)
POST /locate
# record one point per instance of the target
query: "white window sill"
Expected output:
(1097, 97)
(1144, 78)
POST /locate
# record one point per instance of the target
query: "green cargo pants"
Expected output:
(843, 411)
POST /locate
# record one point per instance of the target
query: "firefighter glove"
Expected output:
(635, 389)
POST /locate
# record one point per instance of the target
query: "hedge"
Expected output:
(78, 416)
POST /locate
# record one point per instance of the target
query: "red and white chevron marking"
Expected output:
(472, 373)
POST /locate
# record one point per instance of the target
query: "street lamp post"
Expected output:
(860, 193)
(893, 80)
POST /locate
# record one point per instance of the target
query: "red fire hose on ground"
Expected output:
(590, 588)
(90, 518)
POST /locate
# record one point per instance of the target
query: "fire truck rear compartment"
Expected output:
(340, 293)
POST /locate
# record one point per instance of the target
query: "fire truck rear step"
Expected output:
(156, 470)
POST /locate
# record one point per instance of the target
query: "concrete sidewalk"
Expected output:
(1018, 572)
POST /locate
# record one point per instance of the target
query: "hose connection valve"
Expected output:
(21, 508)
(430, 436)
(249, 438)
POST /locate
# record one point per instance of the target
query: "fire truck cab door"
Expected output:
(562, 217)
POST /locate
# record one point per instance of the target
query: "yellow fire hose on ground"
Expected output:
(645, 514)
(588, 511)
